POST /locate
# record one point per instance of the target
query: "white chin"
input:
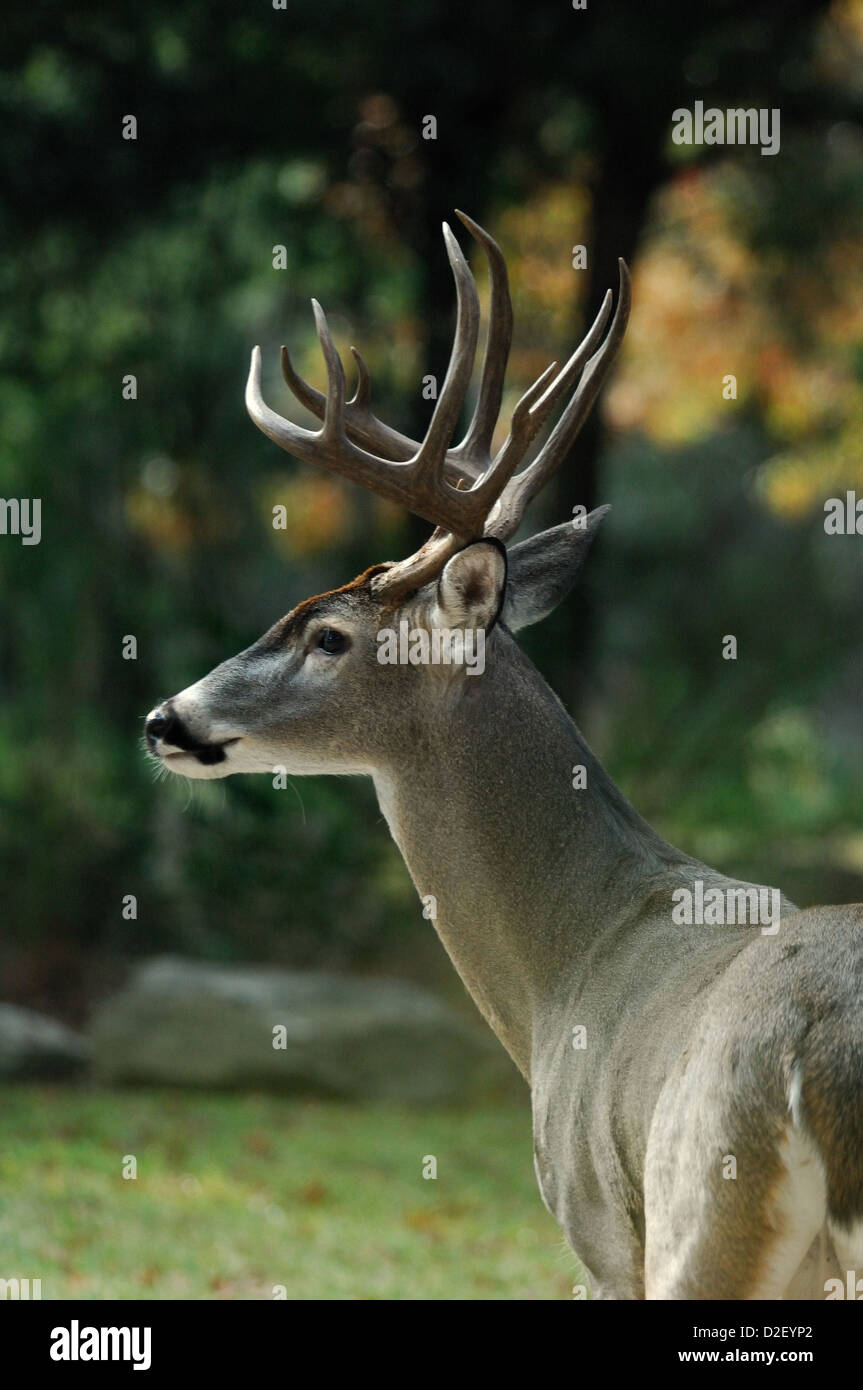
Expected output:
(187, 765)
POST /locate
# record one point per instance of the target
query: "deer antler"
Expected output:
(425, 477)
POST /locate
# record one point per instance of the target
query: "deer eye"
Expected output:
(331, 641)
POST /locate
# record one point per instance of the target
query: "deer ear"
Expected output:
(542, 570)
(471, 587)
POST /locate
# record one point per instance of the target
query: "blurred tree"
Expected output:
(304, 127)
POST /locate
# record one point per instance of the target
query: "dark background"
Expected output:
(303, 127)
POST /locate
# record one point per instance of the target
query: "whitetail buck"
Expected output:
(697, 1089)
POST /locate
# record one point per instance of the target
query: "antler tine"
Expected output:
(363, 393)
(334, 413)
(361, 425)
(569, 372)
(527, 419)
(535, 406)
(291, 437)
(477, 441)
(432, 454)
(506, 517)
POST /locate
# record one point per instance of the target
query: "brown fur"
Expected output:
(292, 624)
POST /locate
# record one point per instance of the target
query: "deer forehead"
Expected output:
(354, 610)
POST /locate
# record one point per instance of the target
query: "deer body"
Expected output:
(703, 1138)
(555, 907)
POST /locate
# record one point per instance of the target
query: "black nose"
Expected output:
(163, 724)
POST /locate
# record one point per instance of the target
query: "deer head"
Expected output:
(313, 694)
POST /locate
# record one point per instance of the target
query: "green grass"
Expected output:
(235, 1195)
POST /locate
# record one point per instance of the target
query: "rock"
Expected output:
(34, 1048)
(184, 1023)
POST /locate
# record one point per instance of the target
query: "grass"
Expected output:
(237, 1195)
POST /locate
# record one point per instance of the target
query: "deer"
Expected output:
(696, 1078)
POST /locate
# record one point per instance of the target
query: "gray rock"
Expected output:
(183, 1023)
(34, 1048)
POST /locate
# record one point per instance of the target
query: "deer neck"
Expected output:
(519, 870)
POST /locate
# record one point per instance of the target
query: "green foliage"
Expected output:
(153, 526)
(259, 128)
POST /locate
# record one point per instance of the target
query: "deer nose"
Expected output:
(162, 723)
